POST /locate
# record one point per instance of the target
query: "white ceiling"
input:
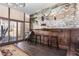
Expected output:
(31, 8)
(34, 7)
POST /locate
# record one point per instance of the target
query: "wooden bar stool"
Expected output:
(34, 39)
(50, 41)
(38, 38)
(53, 39)
(45, 38)
(42, 41)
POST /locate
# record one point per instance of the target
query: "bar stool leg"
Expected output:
(36, 40)
(48, 42)
(40, 39)
(43, 39)
(57, 44)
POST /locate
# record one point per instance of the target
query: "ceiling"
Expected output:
(29, 8)
(34, 7)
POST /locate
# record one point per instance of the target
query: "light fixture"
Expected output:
(42, 18)
(20, 4)
(66, 7)
(17, 4)
(54, 17)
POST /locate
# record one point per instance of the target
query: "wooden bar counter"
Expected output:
(65, 35)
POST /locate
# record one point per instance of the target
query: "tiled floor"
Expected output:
(39, 50)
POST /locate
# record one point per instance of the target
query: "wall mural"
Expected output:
(64, 16)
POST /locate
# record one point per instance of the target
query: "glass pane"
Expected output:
(3, 11)
(26, 30)
(20, 31)
(26, 27)
(3, 31)
(12, 31)
(16, 14)
(27, 18)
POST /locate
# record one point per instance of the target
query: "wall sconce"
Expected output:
(54, 17)
(66, 7)
(42, 18)
(43, 24)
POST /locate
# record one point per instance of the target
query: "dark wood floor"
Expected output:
(39, 50)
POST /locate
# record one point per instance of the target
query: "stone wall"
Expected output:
(71, 20)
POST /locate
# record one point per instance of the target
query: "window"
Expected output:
(20, 30)
(13, 29)
(26, 27)
(16, 14)
(3, 31)
(3, 11)
(27, 18)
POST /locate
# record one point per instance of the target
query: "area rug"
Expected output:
(11, 50)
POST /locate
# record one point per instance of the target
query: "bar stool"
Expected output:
(42, 39)
(45, 39)
(50, 41)
(38, 38)
(53, 39)
(32, 39)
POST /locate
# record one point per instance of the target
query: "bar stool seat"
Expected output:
(53, 39)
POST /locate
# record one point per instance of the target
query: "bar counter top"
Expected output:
(53, 28)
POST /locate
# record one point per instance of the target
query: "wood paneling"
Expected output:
(63, 36)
